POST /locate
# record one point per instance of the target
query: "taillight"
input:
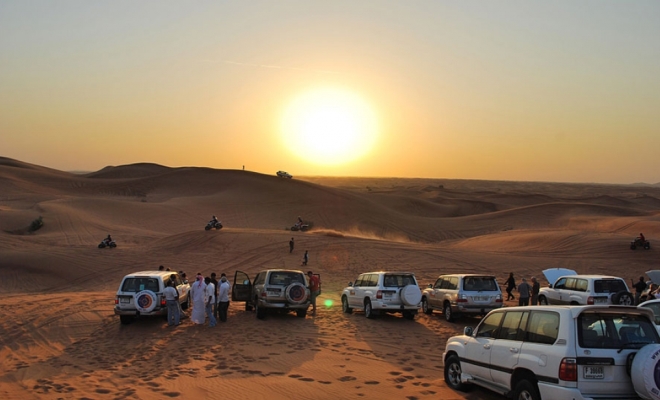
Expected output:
(264, 294)
(498, 299)
(162, 302)
(462, 299)
(116, 300)
(590, 300)
(568, 370)
(379, 294)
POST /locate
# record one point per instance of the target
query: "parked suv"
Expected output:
(273, 289)
(462, 294)
(567, 287)
(141, 293)
(556, 352)
(383, 292)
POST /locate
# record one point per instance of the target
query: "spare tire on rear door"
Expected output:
(410, 295)
(645, 372)
(296, 293)
(623, 298)
(145, 301)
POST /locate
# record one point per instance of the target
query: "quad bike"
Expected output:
(300, 227)
(105, 243)
(213, 224)
(641, 243)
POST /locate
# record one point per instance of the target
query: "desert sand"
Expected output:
(60, 338)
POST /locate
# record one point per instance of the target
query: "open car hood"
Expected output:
(553, 274)
(654, 274)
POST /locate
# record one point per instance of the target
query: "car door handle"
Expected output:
(513, 349)
(486, 346)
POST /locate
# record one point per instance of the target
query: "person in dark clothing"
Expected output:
(640, 286)
(510, 285)
(291, 245)
(524, 291)
(536, 287)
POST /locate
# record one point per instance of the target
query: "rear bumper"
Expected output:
(284, 306)
(135, 313)
(550, 391)
(474, 309)
(381, 306)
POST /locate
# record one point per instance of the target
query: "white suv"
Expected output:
(557, 352)
(567, 287)
(141, 294)
(459, 294)
(383, 292)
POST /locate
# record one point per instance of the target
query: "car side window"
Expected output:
(259, 279)
(570, 284)
(437, 283)
(490, 325)
(581, 285)
(511, 325)
(543, 327)
(373, 280)
(453, 283)
(445, 283)
(560, 284)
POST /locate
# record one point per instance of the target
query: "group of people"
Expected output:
(305, 258)
(208, 296)
(527, 294)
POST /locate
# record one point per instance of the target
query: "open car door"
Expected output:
(242, 288)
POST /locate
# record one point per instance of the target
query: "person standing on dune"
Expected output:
(305, 258)
(510, 285)
(172, 301)
(291, 245)
(209, 301)
(198, 292)
(223, 298)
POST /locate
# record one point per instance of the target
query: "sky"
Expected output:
(559, 91)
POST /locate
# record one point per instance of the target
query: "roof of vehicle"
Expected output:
(469, 275)
(151, 273)
(282, 270)
(593, 277)
(577, 310)
(648, 302)
(388, 272)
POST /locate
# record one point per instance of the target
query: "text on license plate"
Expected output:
(600, 301)
(480, 298)
(593, 372)
(125, 300)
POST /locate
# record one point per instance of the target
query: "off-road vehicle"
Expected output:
(273, 289)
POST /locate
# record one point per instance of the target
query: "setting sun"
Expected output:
(329, 126)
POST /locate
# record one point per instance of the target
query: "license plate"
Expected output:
(600, 301)
(125, 300)
(273, 293)
(480, 298)
(593, 372)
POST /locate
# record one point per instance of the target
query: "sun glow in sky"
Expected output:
(563, 90)
(329, 126)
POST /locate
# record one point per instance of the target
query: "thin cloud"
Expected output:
(278, 67)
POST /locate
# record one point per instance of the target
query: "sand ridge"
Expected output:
(60, 338)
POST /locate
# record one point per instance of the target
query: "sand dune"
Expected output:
(60, 338)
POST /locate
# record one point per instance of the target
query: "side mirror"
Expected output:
(350, 284)
(467, 331)
(431, 285)
(246, 282)
(550, 286)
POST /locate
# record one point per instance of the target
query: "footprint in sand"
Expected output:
(347, 378)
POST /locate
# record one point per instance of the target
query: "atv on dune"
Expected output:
(639, 242)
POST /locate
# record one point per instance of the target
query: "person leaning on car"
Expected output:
(536, 287)
(523, 293)
(640, 286)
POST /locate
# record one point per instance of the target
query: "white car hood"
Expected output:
(654, 274)
(553, 274)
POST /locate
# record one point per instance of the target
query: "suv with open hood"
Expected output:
(567, 287)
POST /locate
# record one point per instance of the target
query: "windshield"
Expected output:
(480, 283)
(615, 331)
(609, 286)
(135, 285)
(285, 278)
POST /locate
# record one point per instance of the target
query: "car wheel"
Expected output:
(526, 390)
(425, 307)
(543, 301)
(647, 246)
(301, 313)
(260, 311)
(368, 311)
(344, 305)
(409, 315)
(453, 373)
(633, 247)
(125, 319)
(623, 298)
(447, 312)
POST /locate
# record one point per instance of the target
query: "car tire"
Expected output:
(647, 246)
(301, 313)
(526, 390)
(409, 315)
(260, 311)
(344, 305)
(453, 372)
(368, 311)
(410, 295)
(425, 307)
(446, 311)
(623, 298)
(543, 301)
